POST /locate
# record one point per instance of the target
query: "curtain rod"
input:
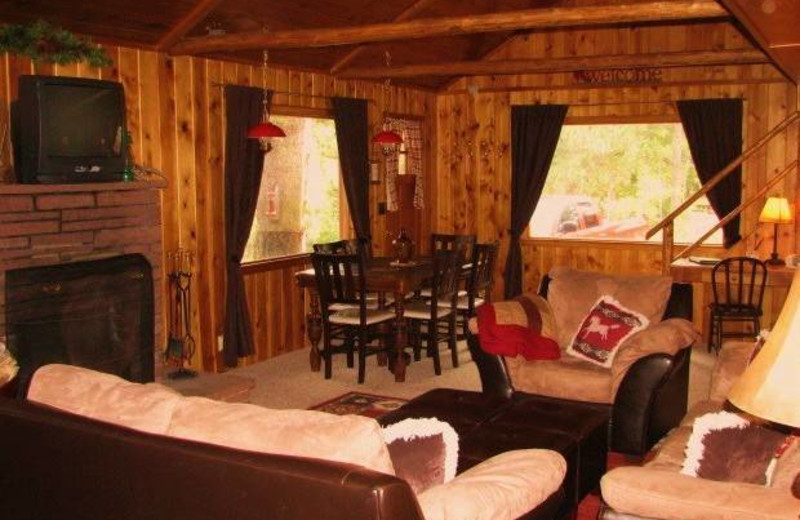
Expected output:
(286, 92)
(615, 103)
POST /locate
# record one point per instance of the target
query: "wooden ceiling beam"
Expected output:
(758, 34)
(198, 13)
(408, 13)
(553, 65)
(659, 11)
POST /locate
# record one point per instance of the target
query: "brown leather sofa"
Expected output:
(60, 465)
(651, 398)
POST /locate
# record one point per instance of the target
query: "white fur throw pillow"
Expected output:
(424, 451)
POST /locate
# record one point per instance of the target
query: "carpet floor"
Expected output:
(287, 381)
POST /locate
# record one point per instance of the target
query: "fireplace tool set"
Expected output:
(180, 343)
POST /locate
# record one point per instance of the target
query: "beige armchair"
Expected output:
(644, 390)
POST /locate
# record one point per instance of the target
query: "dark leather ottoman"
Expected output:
(488, 425)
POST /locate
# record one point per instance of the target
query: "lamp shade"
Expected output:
(265, 129)
(387, 137)
(770, 386)
(776, 211)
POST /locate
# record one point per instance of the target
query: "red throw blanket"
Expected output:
(512, 340)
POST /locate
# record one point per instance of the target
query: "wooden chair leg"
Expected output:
(327, 355)
(362, 355)
(350, 346)
(711, 334)
(756, 326)
(465, 324)
(433, 347)
(451, 340)
(416, 339)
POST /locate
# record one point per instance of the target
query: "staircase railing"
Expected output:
(667, 224)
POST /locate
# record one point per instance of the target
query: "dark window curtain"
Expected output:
(244, 161)
(534, 135)
(352, 138)
(713, 128)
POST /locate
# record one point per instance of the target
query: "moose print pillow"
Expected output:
(603, 330)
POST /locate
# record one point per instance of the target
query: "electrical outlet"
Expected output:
(220, 342)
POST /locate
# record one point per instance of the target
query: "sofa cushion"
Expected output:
(504, 487)
(671, 450)
(566, 378)
(424, 451)
(607, 324)
(304, 433)
(104, 397)
(649, 492)
(572, 293)
(156, 409)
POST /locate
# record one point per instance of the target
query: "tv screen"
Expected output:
(99, 133)
(69, 130)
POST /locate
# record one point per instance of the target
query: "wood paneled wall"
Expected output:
(175, 115)
(473, 150)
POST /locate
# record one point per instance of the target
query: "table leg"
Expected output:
(314, 331)
(383, 329)
(401, 338)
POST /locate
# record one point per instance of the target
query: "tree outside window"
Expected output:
(615, 182)
(298, 203)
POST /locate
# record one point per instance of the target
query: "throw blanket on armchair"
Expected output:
(523, 326)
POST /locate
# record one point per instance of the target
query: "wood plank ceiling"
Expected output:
(179, 26)
(773, 24)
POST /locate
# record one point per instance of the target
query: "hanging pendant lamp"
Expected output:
(386, 137)
(265, 130)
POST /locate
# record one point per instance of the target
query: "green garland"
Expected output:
(42, 42)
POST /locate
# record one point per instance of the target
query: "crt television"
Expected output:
(68, 130)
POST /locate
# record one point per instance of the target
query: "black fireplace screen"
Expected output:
(96, 314)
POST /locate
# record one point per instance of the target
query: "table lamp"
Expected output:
(768, 389)
(776, 211)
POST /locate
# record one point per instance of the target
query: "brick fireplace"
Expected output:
(44, 225)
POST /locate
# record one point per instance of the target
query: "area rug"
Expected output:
(359, 403)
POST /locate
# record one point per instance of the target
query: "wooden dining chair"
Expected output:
(738, 286)
(360, 246)
(480, 281)
(445, 242)
(347, 316)
(352, 246)
(438, 315)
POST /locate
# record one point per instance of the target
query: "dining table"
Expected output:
(383, 276)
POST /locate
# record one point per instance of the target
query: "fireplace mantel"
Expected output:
(49, 224)
(34, 189)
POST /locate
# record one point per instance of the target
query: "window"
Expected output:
(615, 182)
(298, 204)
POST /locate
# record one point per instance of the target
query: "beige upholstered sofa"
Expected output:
(509, 485)
(658, 490)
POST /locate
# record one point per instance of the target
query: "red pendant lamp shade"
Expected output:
(264, 130)
(385, 137)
